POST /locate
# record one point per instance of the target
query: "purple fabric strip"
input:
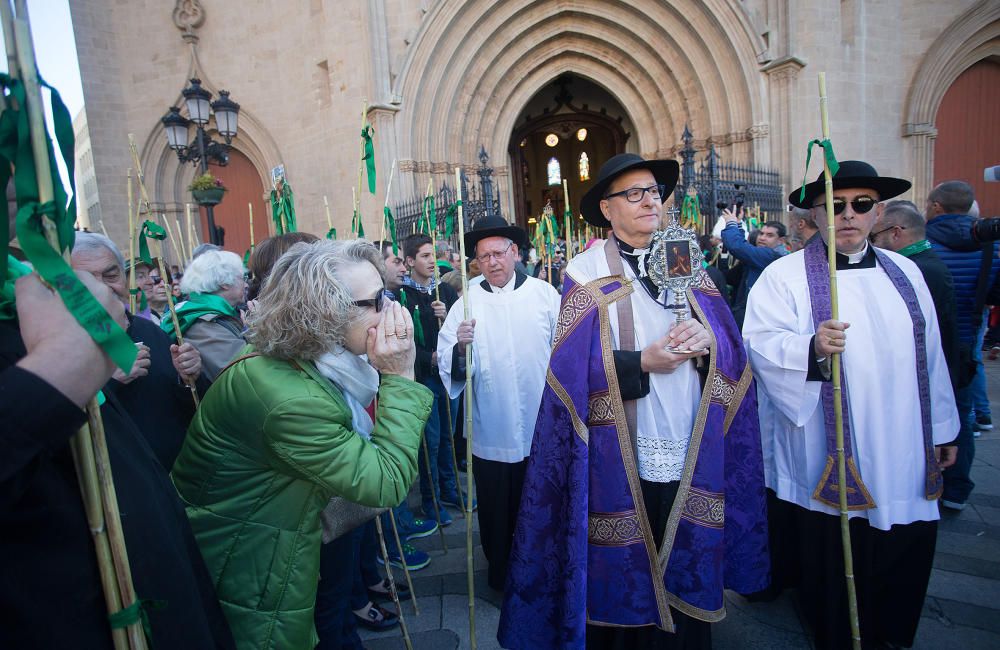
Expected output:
(933, 481)
(818, 278)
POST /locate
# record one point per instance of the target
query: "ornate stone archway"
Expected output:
(473, 66)
(973, 37)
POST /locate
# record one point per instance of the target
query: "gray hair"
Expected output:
(304, 309)
(204, 248)
(905, 214)
(211, 271)
(85, 242)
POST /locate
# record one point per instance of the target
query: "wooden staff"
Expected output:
(250, 209)
(88, 446)
(189, 222)
(838, 410)
(392, 583)
(131, 248)
(566, 219)
(326, 207)
(470, 560)
(357, 208)
(144, 197)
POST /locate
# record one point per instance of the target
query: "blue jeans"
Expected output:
(365, 571)
(335, 622)
(439, 447)
(980, 401)
(957, 480)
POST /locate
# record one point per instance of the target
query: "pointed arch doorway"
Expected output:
(245, 187)
(566, 131)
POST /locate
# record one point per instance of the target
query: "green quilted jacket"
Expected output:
(271, 443)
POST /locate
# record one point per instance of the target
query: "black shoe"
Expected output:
(377, 618)
(382, 592)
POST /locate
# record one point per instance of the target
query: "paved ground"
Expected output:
(962, 609)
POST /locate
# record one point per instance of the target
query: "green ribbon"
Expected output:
(831, 162)
(137, 612)
(418, 327)
(142, 297)
(331, 233)
(428, 216)
(149, 230)
(357, 227)
(246, 258)
(449, 219)
(691, 210)
(196, 306)
(15, 269)
(369, 156)
(390, 227)
(16, 151)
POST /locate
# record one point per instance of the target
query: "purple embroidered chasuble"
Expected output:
(583, 549)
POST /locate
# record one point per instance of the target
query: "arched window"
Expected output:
(584, 167)
(554, 172)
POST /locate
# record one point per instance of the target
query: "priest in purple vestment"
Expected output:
(644, 495)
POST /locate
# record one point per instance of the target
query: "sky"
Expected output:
(55, 51)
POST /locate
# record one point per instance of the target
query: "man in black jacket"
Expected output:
(429, 301)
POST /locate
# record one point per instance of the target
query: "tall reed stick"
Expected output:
(406, 569)
(361, 162)
(470, 561)
(392, 582)
(189, 222)
(131, 248)
(568, 227)
(835, 361)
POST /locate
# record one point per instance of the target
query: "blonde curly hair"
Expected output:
(304, 309)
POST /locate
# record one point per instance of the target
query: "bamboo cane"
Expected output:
(250, 209)
(835, 360)
(326, 207)
(437, 296)
(144, 197)
(566, 219)
(434, 493)
(470, 560)
(361, 161)
(189, 222)
(178, 253)
(185, 253)
(388, 188)
(406, 569)
(131, 248)
(93, 471)
(392, 583)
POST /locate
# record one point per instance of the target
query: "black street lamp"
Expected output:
(203, 148)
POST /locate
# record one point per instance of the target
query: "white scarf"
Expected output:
(358, 382)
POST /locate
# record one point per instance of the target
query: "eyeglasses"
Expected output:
(375, 303)
(156, 279)
(873, 235)
(860, 205)
(485, 258)
(635, 194)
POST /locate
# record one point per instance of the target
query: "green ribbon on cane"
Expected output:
(428, 216)
(449, 219)
(331, 233)
(34, 219)
(357, 227)
(137, 612)
(369, 156)
(149, 230)
(390, 227)
(831, 162)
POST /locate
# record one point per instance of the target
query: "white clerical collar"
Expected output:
(854, 258)
(507, 287)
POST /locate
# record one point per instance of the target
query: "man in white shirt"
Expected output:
(512, 320)
(898, 407)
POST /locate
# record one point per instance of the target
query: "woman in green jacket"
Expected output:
(284, 429)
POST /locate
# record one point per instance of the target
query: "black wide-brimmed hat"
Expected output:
(664, 171)
(493, 227)
(852, 174)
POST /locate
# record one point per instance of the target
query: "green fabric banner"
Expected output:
(283, 209)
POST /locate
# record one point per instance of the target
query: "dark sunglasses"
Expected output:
(156, 279)
(375, 303)
(860, 205)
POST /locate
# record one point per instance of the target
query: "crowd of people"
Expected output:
(629, 465)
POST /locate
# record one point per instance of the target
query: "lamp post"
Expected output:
(203, 148)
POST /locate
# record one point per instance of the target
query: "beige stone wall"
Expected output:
(444, 76)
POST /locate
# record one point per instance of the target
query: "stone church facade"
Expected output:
(444, 78)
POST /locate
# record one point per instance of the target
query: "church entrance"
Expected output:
(233, 214)
(566, 131)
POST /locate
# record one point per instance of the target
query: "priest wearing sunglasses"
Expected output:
(898, 405)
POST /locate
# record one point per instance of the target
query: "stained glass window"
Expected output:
(584, 167)
(554, 172)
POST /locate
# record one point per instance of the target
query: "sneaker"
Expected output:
(444, 519)
(377, 618)
(454, 501)
(984, 423)
(419, 528)
(994, 353)
(952, 505)
(415, 558)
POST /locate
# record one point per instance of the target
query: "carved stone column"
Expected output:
(781, 75)
(920, 141)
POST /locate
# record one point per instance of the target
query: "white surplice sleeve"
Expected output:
(777, 339)
(447, 338)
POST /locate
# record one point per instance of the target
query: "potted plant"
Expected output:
(207, 189)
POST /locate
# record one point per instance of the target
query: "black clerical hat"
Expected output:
(664, 171)
(852, 174)
(493, 227)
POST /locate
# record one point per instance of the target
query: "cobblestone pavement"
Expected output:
(962, 609)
